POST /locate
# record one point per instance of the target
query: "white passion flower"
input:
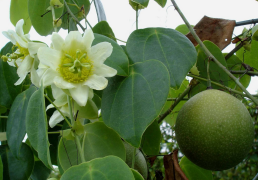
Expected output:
(75, 66)
(25, 56)
(90, 111)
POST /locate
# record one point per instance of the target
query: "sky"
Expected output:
(121, 17)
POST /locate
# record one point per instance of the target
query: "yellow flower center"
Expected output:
(76, 67)
(23, 51)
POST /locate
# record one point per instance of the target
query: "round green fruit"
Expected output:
(140, 163)
(214, 130)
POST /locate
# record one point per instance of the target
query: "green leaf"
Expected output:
(103, 28)
(194, 172)
(68, 154)
(36, 125)
(108, 168)
(118, 59)
(8, 76)
(166, 45)
(40, 171)
(162, 3)
(19, 10)
(216, 73)
(1, 169)
(235, 64)
(137, 175)
(249, 57)
(43, 25)
(100, 141)
(171, 118)
(140, 3)
(183, 29)
(151, 138)
(17, 168)
(67, 18)
(16, 124)
(130, 104)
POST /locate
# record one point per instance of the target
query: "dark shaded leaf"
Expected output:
(16, 124)
(8, 76)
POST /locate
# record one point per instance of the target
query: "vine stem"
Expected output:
(4, 117)
(162, 116)
(54, 17)
(218, 84)
(70, 108)
(136, 16)
(208, 54)
(73, 16)
(78, 143)
(58, 110)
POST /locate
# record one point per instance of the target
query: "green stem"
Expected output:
(54, 17)
(208, 54)
(70, 108)
(54, 132)
(218, 84)
(162, 116)
(136, 16)
(208, 75)
(79, 147)
(4, 117)
(73, 16)
(58, 110)
(251, 73)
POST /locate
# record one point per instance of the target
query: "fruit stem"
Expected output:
(218, 84)
(208, 54)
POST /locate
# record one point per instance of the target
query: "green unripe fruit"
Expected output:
(140, 163)
(214, 130)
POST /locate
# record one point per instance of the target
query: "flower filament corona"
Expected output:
(76, 67)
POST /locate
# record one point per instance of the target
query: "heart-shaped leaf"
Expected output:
(130, 104)
(169, 46)
(108, 168)
(101, 141)
(16, 124)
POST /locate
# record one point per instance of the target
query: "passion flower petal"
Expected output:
(49, 57)
(96, 82)
(100, 52)
(105, 71)
(80, 94)
(57, 41)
